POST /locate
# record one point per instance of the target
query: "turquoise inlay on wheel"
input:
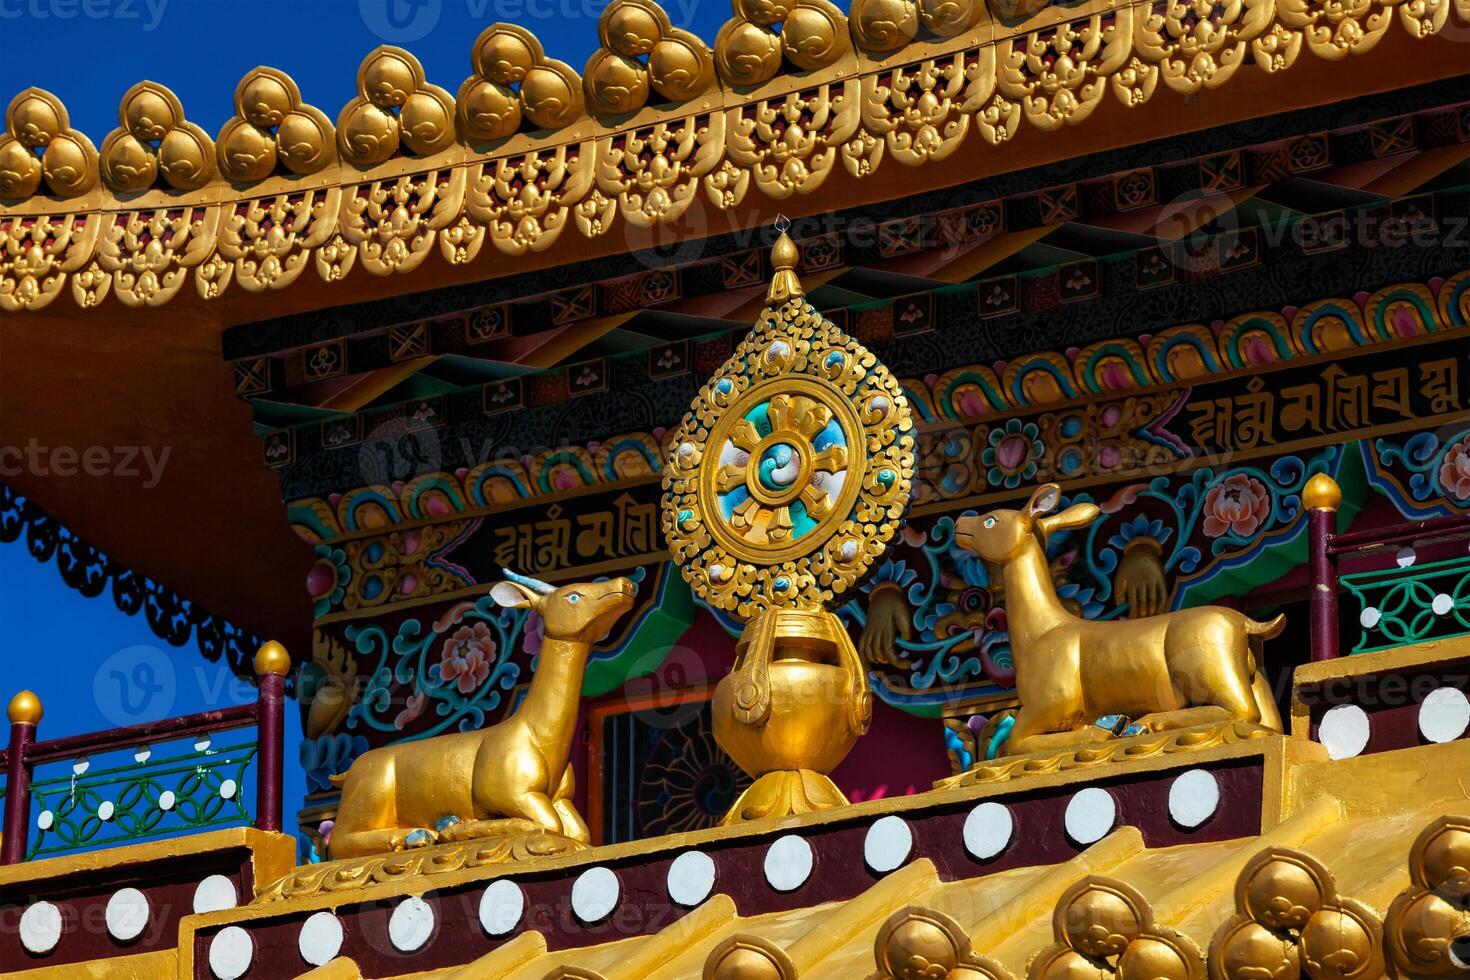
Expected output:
(832, 435)
(801, 521)
(759, 416)
(780, 464)
(734, 498)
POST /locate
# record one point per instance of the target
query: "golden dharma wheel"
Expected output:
(793, 468)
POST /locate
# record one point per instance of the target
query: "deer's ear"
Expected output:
(1044, 500)
(1078, 515)
(513, 595)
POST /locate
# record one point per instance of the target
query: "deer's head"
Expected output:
(583, 612)
(1003, 535)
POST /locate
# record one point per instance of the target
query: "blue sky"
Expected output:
(85, 659)
(88, 52)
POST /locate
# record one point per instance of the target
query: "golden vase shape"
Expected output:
(790, 711)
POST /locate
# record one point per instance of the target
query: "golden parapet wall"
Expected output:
(114, 914)
(528, 148)
(1382, 701)
(1196, 845)
(860, 908)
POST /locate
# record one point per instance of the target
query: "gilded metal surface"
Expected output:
(1322, 493)
(786, 480)
(1178, 670)
(25, 709)
(788, 93)
(794, 466)
(917, 943)
(1428, 925)
(640, 50)
(743, 957)
(355, 874)
(510, 779)
(1110, 752)
(1290, 920)
(1105, 928)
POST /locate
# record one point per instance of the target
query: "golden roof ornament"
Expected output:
(785, 483)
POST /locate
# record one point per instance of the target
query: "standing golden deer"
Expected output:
(1191, 667)
(510, 778)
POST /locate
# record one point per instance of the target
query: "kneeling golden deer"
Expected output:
(510, 778)
(1190, 667)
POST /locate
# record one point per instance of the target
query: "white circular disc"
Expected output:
(321, 938)
(691, 878)
(227, 789)
(788, 863)
(1444, 714)
(988, 830)
(45, 819)
(1368, 618)
(142, 754)
(595, 894)
(1442, 604)
(105, 810)
(1344, 730)
(1406, 556)
(888, 844)
(501, 907)
(230, 953)
(127, 914)
(40, 928)
(1194, 796)
(166, 800)
(411, 924)
(215, 894)
(201, 744)
(1090, 815)
(80, 766)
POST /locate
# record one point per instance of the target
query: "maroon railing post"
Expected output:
(1322, 497)
(25, 715)
(272, 664)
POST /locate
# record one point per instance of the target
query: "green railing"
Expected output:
(152, 779)
(1411, 604)
(191, 788)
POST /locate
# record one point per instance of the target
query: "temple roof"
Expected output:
(527, 151)
(526, 170)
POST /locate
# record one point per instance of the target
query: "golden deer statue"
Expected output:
(1084, 681)
(510, 778)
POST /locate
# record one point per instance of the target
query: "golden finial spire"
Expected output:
(784, 255)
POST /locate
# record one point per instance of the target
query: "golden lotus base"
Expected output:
(785, 793)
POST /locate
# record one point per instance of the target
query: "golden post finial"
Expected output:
(784, 256)
(272, 658)
(25, 709)
(1322, 493)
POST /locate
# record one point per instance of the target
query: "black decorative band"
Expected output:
(86, 569)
